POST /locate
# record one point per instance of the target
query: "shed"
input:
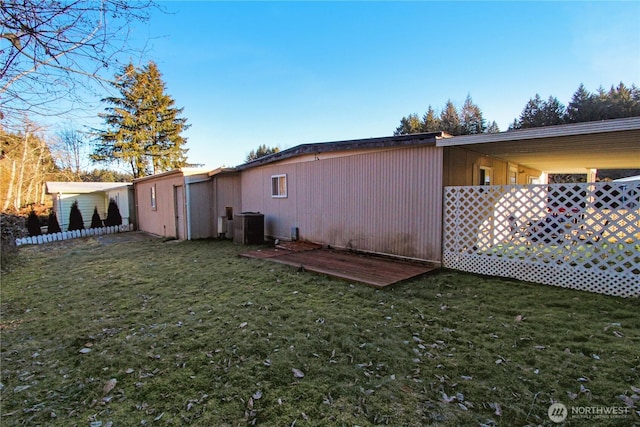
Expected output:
(175, 204)
(91, 195)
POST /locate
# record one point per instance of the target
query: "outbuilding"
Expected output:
(91, 195)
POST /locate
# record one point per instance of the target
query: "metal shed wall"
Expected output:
(386, 202)
(200, 210)
(162, 220)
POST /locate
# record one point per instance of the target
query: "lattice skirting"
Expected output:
(581, 236)
(592, 280)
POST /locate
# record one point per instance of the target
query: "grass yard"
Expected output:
(187, 333)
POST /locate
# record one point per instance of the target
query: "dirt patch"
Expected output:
(130, 236)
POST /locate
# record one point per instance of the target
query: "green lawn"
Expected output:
(187, 333)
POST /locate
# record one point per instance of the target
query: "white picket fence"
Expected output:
(66, 235)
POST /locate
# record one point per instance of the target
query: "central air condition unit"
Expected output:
(248, 228)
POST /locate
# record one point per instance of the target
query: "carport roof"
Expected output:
(571, 148)
(55, 187)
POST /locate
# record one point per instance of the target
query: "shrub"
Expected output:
(96, 221)
(11, 228)
(75, 218)
(33, 224)
(54, 226)
(113, 214)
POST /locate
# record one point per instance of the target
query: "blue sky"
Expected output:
(287, 73)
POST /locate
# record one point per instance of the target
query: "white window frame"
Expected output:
(279, 186)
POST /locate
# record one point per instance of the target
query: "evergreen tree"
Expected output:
(113, 214)
(450, 120)
(261, 151)
(430, 122)
(75, 218)
(581, 107)
(553, 112)
(409, 125)
(492, 127)
(96, 222)
(623, 102)
(471, 120)
(54, 226)
(33, 224)
(143, 125)
(539, 113)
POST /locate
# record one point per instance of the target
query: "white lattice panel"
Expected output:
(581, 236)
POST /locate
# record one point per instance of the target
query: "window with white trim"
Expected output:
(279, 186)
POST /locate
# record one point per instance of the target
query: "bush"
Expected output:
(96, 221)
(75, 218)
(12, 227)
(54, 226)
(33, 224)
(113, 214)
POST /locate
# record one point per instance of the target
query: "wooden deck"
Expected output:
(370, 270)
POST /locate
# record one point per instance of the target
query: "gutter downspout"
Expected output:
(59, 213)
(188, 202)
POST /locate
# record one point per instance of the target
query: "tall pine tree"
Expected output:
(450, 120)
(471, 120)
(143, 125)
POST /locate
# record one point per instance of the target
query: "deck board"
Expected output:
(370, 270)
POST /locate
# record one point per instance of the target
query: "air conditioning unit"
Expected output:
(248, 228)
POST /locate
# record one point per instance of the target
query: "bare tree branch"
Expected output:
(54, 50)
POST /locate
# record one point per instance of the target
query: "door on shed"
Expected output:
(178, 197)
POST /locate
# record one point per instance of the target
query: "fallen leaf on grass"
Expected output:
(447, 399)
(606, 328)
(109, 385)
(571, 395)
(297, 373)
(627, 401)
(498, 409)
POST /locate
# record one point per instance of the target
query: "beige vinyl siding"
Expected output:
(227, 193)
(386, 202)
(86, 204)
(121, 196)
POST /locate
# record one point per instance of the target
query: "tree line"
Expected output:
(618, 102)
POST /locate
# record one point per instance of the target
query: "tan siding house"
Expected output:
(380, 195)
